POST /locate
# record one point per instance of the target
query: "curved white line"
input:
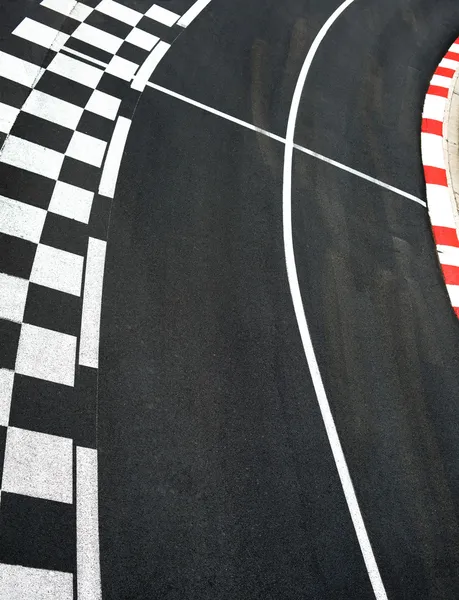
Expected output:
(330, 427)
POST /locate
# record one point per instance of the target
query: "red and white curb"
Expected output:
(440, 199)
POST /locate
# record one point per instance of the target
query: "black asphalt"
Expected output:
(216, 477)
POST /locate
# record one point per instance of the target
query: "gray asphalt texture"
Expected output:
(216, 477)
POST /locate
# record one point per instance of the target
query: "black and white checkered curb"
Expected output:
(67, 96)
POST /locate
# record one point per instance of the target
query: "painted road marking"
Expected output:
(69, 8)
(17, 583)
(53, 109)
(98, 38)
(31, 157)
(13, 296)
(150, 64)
(192, 12)
(71, 201)
(8, 116)
(86, 148)
(142, 39)
(103, 104)
(92, 303)
(38, 465)
(40, 34)
(95, 61)
(114, 155)
(281, 139)
(21, 220)
(74, 69)
(87, 525)
(329, 423)
(122, 68)
(162, 15)
(18, 70)
(6, 391)
(46, 354)
(57, 269)
(119, 12)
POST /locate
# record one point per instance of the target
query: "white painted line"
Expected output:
(162, 15)
(53, 109)
(86, 148)
(339, 165)
(18, 583)
(87, 525)
(74, 69)
(329, 423)
(18, 70)
(95, 61)
(13, 296)
(119, 12)
(282, 140)
(103, 104)
(31, 157)
(21, 220)
(6, 392)
(40, 34)
(8, 115)
(214, 111)
(92, 303)
(38, 465)
(122, 68)
(150, 64)
(114, 155)
(57, 269)
(192, 12)
(46, 354)
(142, 39)
(98, 38)
(69, 8)
(71, 201)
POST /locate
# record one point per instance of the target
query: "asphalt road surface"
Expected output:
(216, 475)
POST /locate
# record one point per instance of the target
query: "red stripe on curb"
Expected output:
(436, 90)
(451, 274)
(445, 72)
(456, 310)
(445, 236)
(435, 175)
(452, 56)
(432, 126)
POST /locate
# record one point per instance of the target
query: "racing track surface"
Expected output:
(216, 476)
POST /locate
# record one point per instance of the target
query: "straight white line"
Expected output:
(115, 152)
(92, 301)
(329, 423)
(281, 139)
(85, 56)
(193, 12)
(214, 111)
(87, 526)
(151, 62)
(360, 174)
